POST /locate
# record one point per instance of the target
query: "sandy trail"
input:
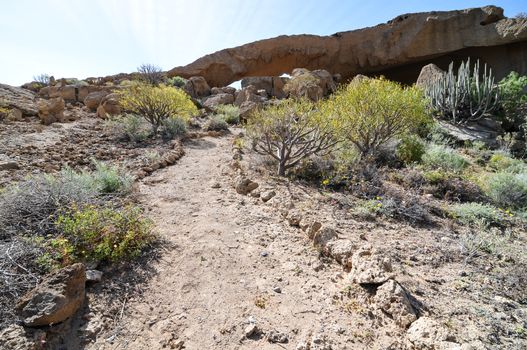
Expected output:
(227, 253)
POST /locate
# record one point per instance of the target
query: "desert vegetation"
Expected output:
(377, 157)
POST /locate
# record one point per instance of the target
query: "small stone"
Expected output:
(264, 253)
(9, 165)
(215, 185)
(277, 337)
(294, 219)
(250, 330)
(266, 196)
(245, 186)
(93, 276)
(277, 290)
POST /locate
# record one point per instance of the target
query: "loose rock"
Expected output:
(55, 299)
(370, 267)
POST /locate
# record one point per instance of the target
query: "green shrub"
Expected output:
(508, 190)
(501, 161)
(467, 96)
(410, 149)
(156, 103)
(174, 126)
(513, 101)
(216, 123)
(444, 158)
(436, 176)
(370, 112)
(289, 132)
(229, 113)
(30, 207)
(100, 234)
(130, 126)
(476, 214)
(177, 81)
(110, 179)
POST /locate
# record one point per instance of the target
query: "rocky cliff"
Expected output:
(397, 49)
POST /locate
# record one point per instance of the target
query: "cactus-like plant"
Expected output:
(467, 96)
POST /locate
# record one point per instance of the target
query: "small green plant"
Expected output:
(130, 126)
(176, 81)
(229, 113)
(507, 190)
(173, 127)
(501, 161)
(436, 176)
(444, 158)
(410, 149)
(101, 234)
(216, 123)
(513, 101)
(110, 179)
(476, 214)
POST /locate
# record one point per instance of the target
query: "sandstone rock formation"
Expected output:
(21, 99)
(398, 49)
(51, 111)
(54, 300)
(429, 74)
(370, 267)
(197, 87)
(109, 106)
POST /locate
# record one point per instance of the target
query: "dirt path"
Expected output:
(228, 253)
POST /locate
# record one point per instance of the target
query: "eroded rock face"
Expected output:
(218, 99)
(197, 87)
(109, 106)
(427, 333)
(21, 99)
(54, 300)
(51, 111)
(370, 267)
(411, 39)
(429, 74)
(392, 299)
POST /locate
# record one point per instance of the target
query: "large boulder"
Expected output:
(223, 90)
(428, 75)
(485, 130)
(21, 99)
(197, 87)
(109, 106)
(397, 49)
(51, 111)
(311, 85)
(273, 86)
(247, 108)
(248, 94)
(93, 99)
(55, 299)
(218, 99)
(260, 83)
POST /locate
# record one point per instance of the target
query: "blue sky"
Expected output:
(74, 38)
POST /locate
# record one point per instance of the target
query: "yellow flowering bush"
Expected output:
(156, 104)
